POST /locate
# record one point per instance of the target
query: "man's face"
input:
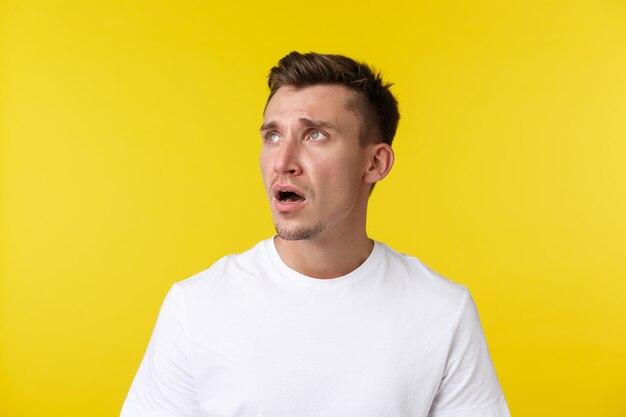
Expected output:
(312, 163)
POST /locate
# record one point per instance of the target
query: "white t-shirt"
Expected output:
(250, 337)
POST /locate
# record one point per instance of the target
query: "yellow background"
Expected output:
(129, 160)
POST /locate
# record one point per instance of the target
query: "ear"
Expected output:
(380, 162)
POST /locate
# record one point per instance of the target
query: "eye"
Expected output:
(271, 137)
(317, 135)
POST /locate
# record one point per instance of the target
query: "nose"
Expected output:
(288, 158)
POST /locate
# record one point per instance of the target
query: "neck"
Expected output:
(328, 257)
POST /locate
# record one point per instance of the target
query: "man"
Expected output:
(319, 321)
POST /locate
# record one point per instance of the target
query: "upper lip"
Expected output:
(283, 188)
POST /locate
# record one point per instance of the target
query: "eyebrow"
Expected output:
(305, 121)
(268, 126)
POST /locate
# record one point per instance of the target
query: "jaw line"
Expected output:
(298, 233)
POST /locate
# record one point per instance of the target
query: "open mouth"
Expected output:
(289, 197)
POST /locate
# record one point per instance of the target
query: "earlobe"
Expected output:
(380, 163)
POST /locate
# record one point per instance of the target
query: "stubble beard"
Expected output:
(299, 232)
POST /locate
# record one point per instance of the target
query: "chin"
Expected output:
(297, 232)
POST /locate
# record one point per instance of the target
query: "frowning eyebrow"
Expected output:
(319, 124)
(269, 126)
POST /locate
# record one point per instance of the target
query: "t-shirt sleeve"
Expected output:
(469, 387)
(164, 384)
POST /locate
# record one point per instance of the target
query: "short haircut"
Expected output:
(375, 103)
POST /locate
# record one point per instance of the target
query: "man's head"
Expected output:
(373, 100)
(326, 141)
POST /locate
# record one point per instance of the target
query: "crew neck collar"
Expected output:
(355, 275)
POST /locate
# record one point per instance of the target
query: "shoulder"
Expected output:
(422, 283)
(227, 270)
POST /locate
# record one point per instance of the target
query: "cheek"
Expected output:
(341, 178)
(264, 163)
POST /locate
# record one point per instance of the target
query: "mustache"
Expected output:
(291, 181)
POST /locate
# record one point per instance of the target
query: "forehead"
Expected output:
(323, 102)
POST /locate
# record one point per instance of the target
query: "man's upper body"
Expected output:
(252, 337)
(320, 321)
